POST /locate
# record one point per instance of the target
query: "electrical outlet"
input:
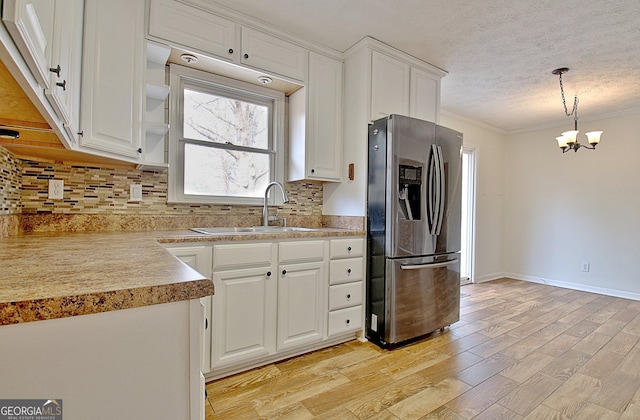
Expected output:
(135, 192)
(56, 189)
(585, 266)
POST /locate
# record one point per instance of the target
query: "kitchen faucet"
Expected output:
(265, 209)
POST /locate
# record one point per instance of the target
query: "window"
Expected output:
(226, 138)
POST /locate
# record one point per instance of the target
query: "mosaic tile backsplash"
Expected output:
(98, 199)
(10, 183)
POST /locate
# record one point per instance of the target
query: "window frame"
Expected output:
(181, 77)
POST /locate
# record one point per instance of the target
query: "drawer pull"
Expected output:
(348, 321)
(348, 271)
(63, 85)
(349, 296)
(349, 249)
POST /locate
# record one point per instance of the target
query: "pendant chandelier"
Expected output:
(569, 139)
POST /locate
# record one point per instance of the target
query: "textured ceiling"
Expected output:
(499, 53)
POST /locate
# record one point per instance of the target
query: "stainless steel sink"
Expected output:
(227, 230)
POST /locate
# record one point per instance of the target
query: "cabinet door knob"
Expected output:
(63, 85)
(284, 272)
(348, 271)
(348, 321)
(246, 56)
(55, 70)
(268, 273)
(206, 323)
(313, 171)
(139, 150)
(230, 50)
(349, 296)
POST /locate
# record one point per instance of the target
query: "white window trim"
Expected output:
(175, 192)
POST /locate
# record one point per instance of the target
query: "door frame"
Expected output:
(468, 248)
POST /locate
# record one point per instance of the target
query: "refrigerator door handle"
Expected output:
(432, 194)
(440, 186)
(428, 265)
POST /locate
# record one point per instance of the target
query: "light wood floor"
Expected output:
(520, 350)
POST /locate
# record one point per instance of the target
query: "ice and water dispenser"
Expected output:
(410, 191)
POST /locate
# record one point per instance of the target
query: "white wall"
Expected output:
(564, 209)
(490, 145)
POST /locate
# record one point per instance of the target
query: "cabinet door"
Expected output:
(30, 23)
(244, 315)
(66, 58)
(112, 77)
(389, 86)
(324, 119)
(193, 28)
(425, 95)
(301, 305)
(266, 52)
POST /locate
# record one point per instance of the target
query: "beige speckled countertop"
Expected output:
(46, 276)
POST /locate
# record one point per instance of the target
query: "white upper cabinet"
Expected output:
(389, 86)
(315, 123)
(48, 34)
(113, 78)
(30, 23)
(194, 28)
(266, 52)
(400, 88)
(424, 96)
(66, 58)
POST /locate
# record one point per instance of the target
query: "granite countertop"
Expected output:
(47, 276)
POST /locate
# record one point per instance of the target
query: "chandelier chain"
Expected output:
(574, 111)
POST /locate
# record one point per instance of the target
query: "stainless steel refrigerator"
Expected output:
(413, 229)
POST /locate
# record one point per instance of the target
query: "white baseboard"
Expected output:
(489, 277)
(574, 286)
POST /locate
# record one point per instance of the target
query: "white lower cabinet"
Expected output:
(277, 299)
(301, 293)
(346, 286)
(244, 304)
(243, 316)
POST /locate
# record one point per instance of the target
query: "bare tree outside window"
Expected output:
(238, 162)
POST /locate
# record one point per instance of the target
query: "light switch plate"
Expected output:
(56, 189)
(135, 192)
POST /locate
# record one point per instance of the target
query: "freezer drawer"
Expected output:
(421, 295)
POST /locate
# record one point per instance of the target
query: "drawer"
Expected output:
(345, 271)
(301, 251)
(347, 248)
(344, 320)
(345, 295)
(242, 255)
